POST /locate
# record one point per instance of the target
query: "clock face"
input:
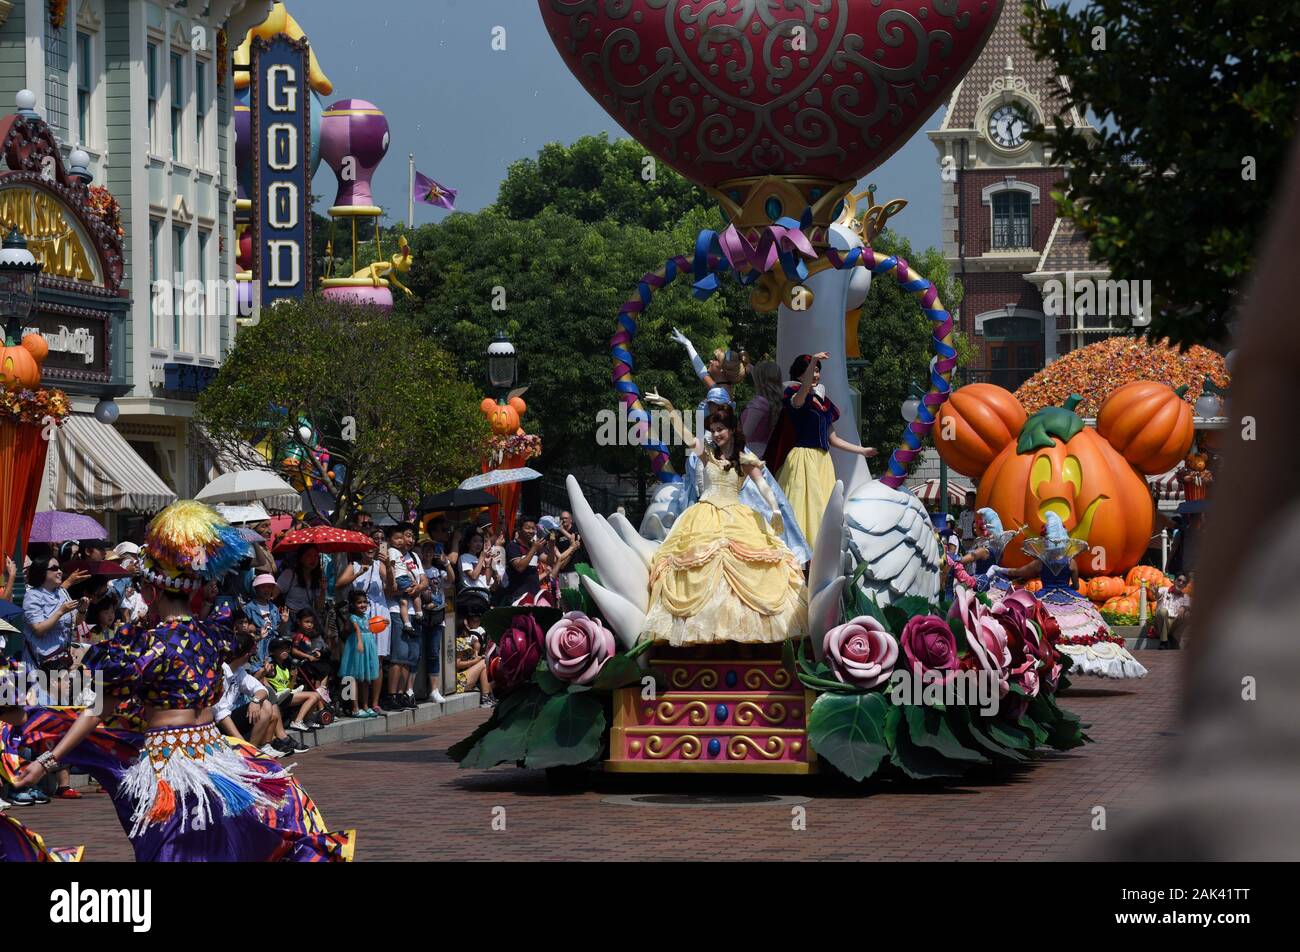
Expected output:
(1008, 125)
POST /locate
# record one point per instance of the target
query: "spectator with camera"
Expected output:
(522, 559)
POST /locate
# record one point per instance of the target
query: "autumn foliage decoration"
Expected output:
(1030, 465)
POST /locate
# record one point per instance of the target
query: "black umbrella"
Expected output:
(457, 499)
(1192, 506)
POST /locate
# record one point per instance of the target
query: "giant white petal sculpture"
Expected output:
(625, 619)
(642, 546)
(620, 569)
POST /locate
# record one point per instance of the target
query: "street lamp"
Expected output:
(502, 362)
(19, 270)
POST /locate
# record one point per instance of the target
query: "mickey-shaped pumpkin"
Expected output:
(20, 364)
(1052, 462)
(504, 417)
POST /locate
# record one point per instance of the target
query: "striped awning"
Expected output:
(928, 491)
(91, 468)
(1167, 487)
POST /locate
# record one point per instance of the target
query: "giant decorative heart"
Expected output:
(722, 89)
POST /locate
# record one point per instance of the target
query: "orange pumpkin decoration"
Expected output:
(974, 424)
(1034, 585)
(1123, 605)
(1059, 465)
(1148, 573)
(503, 417)
(1149, 424)
(1104, 587)
(20, 365)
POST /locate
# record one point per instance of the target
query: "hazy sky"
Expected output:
(467, 111)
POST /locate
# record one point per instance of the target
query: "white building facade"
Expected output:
(140, 85)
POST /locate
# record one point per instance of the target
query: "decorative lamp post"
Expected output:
(19, 271)
(502, 362)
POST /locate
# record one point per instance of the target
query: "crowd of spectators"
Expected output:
(319, 635)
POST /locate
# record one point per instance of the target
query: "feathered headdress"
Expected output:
(188, 544)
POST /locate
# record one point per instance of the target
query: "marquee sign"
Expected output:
(54, 236)
(280, 104)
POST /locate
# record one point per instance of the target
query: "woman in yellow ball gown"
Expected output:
(723, 574)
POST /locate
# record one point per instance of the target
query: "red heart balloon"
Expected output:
(724, 90)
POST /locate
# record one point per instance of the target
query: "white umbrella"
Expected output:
(246, 486)
(239, 515)
(501, 477)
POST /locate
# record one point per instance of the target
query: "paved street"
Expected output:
(410, 802)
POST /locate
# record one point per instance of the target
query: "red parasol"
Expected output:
(325, 539)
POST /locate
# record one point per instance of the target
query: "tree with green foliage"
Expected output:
(1196, 104)
(384, 400)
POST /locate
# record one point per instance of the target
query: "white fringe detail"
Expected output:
(165, 757)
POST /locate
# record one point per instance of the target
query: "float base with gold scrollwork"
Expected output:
(716, 716)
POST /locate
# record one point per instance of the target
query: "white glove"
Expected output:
(994, 571)
(697, 363)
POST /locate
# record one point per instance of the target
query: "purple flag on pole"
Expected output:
(431, 193)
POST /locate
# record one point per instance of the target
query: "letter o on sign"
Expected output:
(282, 147)
(283, 199)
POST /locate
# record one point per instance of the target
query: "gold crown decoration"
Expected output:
(871, 222)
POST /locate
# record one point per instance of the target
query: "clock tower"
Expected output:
(1002, 236)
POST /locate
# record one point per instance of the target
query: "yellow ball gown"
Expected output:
(723, 574)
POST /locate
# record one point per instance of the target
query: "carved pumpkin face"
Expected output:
(1060, 466)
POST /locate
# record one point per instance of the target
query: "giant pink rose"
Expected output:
(519, 648)
(928, 644)
(1016, 613)
(577, 647)
(985, 635)
(860, 652)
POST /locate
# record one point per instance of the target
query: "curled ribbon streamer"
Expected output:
(786, 240)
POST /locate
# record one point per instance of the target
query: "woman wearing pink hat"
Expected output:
(263, 611)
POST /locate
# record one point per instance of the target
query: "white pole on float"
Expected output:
(410, 191)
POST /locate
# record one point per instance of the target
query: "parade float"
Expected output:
(777, 113)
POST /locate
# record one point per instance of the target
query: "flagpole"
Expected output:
(410, 191)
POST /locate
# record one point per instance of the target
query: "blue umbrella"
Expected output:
(9, 609)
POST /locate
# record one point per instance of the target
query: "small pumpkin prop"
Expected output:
(1105, 587)
(20, 364)
(1034, 585)
(1149, 574)
(1123, 605)
(1052, 462)
(975, 423)
(1149, 424)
